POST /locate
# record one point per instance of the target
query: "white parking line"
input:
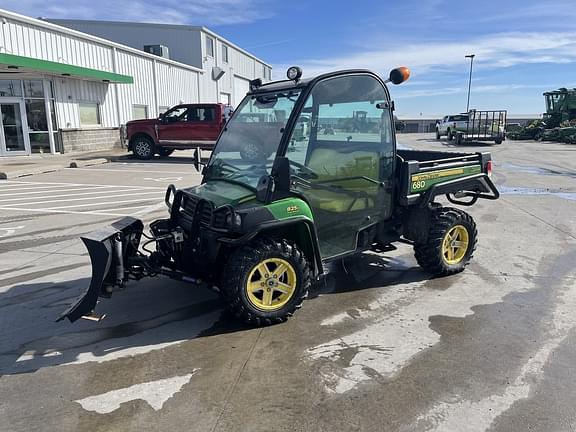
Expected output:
(96, 204)
(93, 213)
(87, 198)
(75, 194)
(119, 170)
(46, 191)
(75, 184)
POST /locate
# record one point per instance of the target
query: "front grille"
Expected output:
(197, 209)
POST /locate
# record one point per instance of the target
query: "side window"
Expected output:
(357, 121)
(207, 114)
(175, 115)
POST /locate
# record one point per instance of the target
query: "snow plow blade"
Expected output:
(110, 249)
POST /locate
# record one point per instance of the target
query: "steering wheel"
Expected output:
(305, 169)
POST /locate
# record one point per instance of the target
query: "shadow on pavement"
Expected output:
(147, 315)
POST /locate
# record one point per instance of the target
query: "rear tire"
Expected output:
(459, 139)
(498, 141)
(143, 147)
(265, 281)
(450, 244)
(253, 153)
(449, 135)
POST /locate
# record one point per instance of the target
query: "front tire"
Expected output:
(437, 134)
(450, 244)
(265, 281)
(143, 147)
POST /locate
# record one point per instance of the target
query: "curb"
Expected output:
(42, 169)
(89, 162)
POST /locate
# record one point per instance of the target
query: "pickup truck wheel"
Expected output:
(251, 152)
(437, 134)
(265, 281)
(165, 152)
(458, 139)
(143, 148)
(498, 141)
(449, 135)
(451, 242)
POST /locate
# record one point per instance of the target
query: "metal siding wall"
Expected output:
(69, 92)
(139, 93)
(175, 85)
(31, 41)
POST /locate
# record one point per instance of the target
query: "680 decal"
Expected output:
(417, 185)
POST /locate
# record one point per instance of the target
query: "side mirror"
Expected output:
(399, 75)
(198, 159)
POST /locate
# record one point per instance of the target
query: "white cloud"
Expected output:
(195, 12)
(493, 51)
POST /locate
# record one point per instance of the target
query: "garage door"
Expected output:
(241, 87)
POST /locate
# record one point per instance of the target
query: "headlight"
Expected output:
(294, 73)
(234, 219)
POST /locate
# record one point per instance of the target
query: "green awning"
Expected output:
(29, 64)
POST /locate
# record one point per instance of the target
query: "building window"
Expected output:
(139, 112)
(209, 46)
(10, 88)
(225, 53)
(33, 89)
(89, 113)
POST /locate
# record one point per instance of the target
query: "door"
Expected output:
(173, 129)
(241, 87)
(343, 163)
(205, 122)
(14, 138)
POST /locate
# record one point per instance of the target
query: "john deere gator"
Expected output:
(263, 229)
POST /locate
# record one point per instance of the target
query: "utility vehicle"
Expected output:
(263, 230)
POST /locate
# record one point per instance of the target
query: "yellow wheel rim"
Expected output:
(455, 244)
(271, 284)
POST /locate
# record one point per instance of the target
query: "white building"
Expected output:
(64, 90)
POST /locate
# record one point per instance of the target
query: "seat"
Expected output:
(328, 192)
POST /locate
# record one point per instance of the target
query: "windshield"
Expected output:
(247, 147)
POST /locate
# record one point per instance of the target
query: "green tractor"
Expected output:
(261, 232)
(560, 107)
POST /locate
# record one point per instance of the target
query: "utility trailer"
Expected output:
(483, 126)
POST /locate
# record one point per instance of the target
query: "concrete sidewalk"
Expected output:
(20, 166)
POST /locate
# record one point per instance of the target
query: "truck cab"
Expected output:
(450, 125)
(186, 126)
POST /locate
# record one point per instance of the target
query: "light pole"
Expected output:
(471, 57)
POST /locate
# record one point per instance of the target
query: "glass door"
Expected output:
(13, 129)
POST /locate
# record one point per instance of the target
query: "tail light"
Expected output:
(489, 168)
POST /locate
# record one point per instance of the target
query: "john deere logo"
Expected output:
(292, 209)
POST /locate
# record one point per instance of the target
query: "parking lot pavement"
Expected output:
(383, 347)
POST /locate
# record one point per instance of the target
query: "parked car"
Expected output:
(451, 124)
(182, 127)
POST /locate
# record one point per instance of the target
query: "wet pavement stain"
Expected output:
(467, 363)
(37, 274)
(537, 170)
(508, 190)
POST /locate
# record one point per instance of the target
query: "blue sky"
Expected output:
(522, 48)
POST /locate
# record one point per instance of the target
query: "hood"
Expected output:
(223, 193)
(142, 122)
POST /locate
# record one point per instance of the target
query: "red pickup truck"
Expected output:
(187, 126)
